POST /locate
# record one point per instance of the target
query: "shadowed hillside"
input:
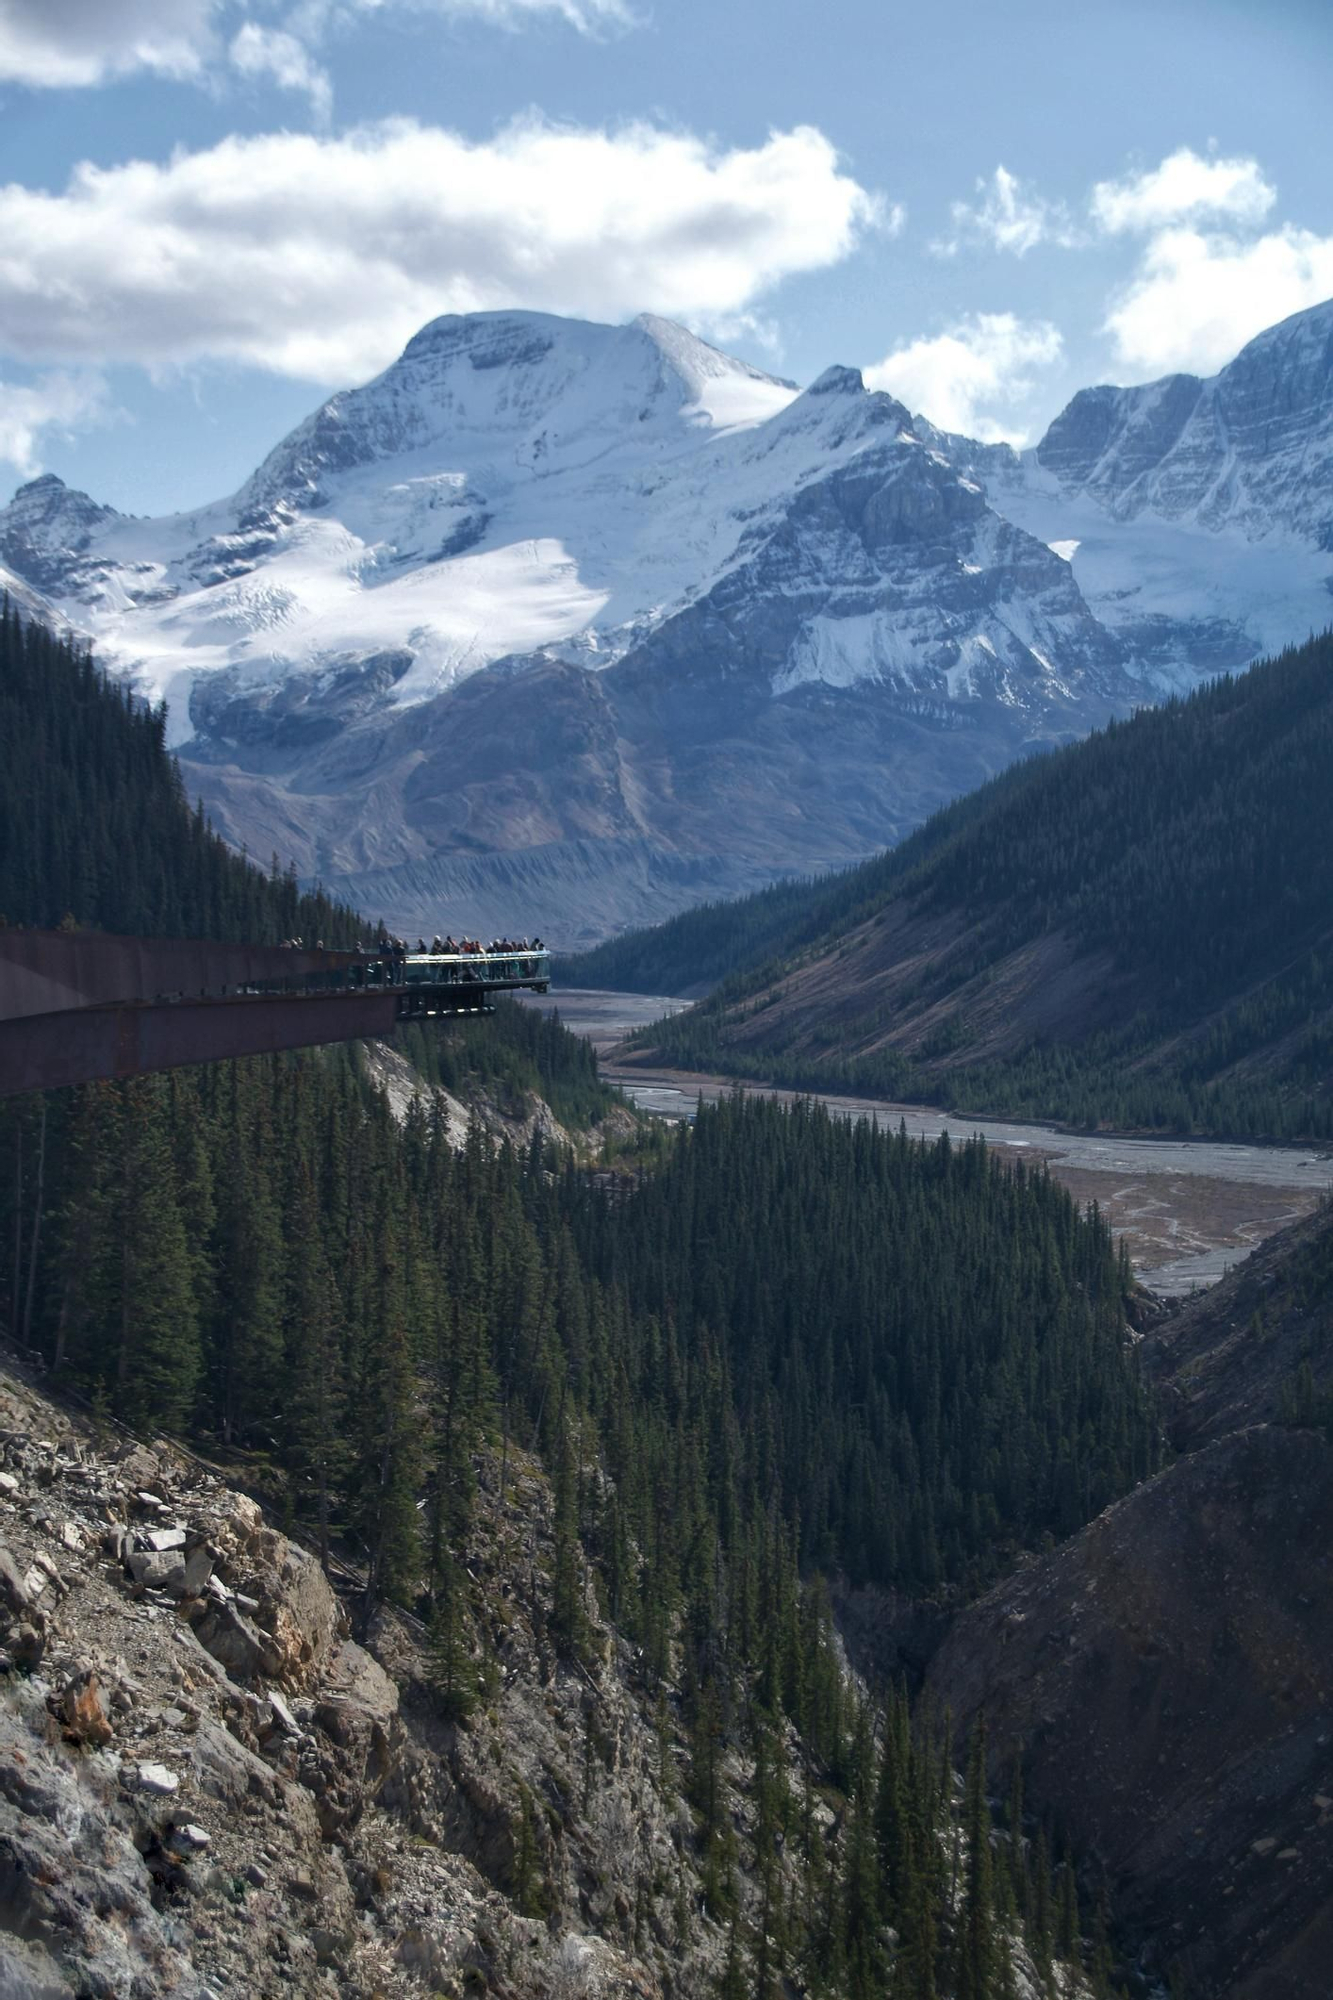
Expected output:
(1137, 930)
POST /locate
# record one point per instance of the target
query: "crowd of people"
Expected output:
(452, 947)
(386, 945)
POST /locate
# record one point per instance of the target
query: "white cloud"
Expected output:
(272, 52)
(318, 257)
(1198, 298)
(56, 402)
(1008, 216)
(69, 44)
(62, 43)
(972, 377)
(585, 15)
(1184, 188)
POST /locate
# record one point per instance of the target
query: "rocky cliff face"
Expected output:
(208, 1786)
(1251, 448)
(1167, 1668)
(1196, 514)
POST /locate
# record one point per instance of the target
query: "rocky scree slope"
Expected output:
(1167, 1668)
(207, 1786)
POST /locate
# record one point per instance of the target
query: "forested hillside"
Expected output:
(1137, 930)
(782, 1349)
(96, 824)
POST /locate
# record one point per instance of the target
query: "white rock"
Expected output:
(193, 1839)
(282, 1715)
(162, 1539)
(8, 1483)
(157, 1778)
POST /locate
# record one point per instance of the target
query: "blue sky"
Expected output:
(215, 211)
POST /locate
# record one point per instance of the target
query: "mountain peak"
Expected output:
(46, 513)
(1249, 449)
(838, 381)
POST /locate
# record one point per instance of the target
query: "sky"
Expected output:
(215, 212)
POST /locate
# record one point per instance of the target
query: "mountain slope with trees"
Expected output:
(1137, 930)
(411, 1346)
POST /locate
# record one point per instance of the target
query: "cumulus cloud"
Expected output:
(973, 377)
(317, 257)
(1184, 188)
(1197, 298)
(1008, 215)
(63, 43)
(272, 52)
(57, 402)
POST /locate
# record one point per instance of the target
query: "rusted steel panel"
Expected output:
(48, 1051)
(43, 972)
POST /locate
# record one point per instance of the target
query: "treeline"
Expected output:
(1192, 847)
(96, 826)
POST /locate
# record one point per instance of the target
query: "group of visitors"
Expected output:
(462, 947)
(389, 946)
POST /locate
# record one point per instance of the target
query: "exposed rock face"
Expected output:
(1169, 1672)
(46, 534)
(185, 1813)
(1251, 448)
(1255, 1347)
(1196, 515)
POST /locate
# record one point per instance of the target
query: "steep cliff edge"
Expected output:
(1167, 1669)
(207, 1786)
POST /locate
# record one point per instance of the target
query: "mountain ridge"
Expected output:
(724, 553)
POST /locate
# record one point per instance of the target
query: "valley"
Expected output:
(666, 1001)
(860, 1530)
(1186, 1209)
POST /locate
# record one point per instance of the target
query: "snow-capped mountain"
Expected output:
(574, 624)
(1198, 514)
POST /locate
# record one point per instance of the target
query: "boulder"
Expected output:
(241, 1647)
(158, 1572)
(300, 1612)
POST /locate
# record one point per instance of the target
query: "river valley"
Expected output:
(1187, 1208)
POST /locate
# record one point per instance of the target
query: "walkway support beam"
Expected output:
(82, 1007)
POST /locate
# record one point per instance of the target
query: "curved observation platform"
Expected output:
(81, 1006)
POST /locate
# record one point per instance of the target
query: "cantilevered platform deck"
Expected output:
(80, 1006)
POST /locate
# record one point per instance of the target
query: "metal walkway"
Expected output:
(81, 1006)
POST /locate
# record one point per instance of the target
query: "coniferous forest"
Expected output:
(778, 1350)
(95, 822)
